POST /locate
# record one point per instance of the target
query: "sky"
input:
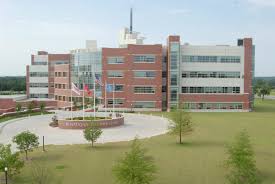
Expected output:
(58, 26)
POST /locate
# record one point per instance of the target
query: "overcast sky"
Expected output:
(59, 26)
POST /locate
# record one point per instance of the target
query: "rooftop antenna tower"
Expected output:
(131, 21)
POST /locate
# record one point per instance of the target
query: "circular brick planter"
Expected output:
(82, 124)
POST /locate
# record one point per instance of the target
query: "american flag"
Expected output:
(98, 81)
(75, 89)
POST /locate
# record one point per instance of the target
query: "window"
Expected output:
(144, 89)
(187, 89)
(144, 105)
(214, 59)
(144, 58)
(213, 106)
(38, 74)
(210, 74)
(115, 60)
(115, 74)
(118, 101)
(39, 85)
(144, 74)
(118, 87)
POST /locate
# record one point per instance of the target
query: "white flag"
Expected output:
(75, 89)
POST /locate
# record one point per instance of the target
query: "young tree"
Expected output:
(241, 162)
(181, 123)
(31, 106)
(135, 167)
(18, 107)
(92, 133)
(26, 142)
(10, 160)
(262, 88)
(42, 107)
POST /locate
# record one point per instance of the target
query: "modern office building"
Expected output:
(149, 76)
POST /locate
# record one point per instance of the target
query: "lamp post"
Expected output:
(6, 175)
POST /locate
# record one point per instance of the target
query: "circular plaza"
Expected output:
(140, 125)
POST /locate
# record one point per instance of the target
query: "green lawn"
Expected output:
(272, 92)
(198, 161)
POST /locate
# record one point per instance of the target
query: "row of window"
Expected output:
(210, 74)
(211, 59)
(144, 89)
(38, 95)
(60, 86)
(210, 90)
(141, 104)
(213, 105)
(39, 85)
(137, 74)
(61, 74)
(137, 59)
(38, 74)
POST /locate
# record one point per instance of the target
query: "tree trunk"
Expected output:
(262, 97)
(26, 153)
(180, 135)
(92, 143)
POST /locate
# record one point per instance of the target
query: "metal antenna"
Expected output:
(131, 21)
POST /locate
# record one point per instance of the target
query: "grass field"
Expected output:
(198, 161)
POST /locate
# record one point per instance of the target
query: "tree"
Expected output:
(135, 167)
(26, 142)
(181, 123)
(92, 133)
(241, 162)
(30, 106)
(42, 107)
(262, 88)
(10, 160)
(18, 107)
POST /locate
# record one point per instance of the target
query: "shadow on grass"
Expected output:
(106, 147)
(191, 144)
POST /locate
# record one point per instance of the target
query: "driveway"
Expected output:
(139, 125)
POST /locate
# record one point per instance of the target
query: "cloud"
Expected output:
(179, 11)
(266, 3)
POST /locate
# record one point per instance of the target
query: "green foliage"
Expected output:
(181, 123)
(262, 88)
(26, 142)
(241, 162)
(31, 106)
(92, 133)
(10, 160)
(18, 107)
(42, 106)
(135, 167)
(12, 83)
(89, 118)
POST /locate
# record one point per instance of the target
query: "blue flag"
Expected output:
(109, 88)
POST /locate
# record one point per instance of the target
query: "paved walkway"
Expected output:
(139, 125)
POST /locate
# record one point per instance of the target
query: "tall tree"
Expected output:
(10, 160)
(26, 142)
(181, 123)
(240, 162)
(92, 133)
(136, 167)
(31, 106)
(262, 88)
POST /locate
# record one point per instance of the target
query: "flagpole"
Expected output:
(105, 99)
(83, 101)
(71, 103)
(94, 90)
(113, 97)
